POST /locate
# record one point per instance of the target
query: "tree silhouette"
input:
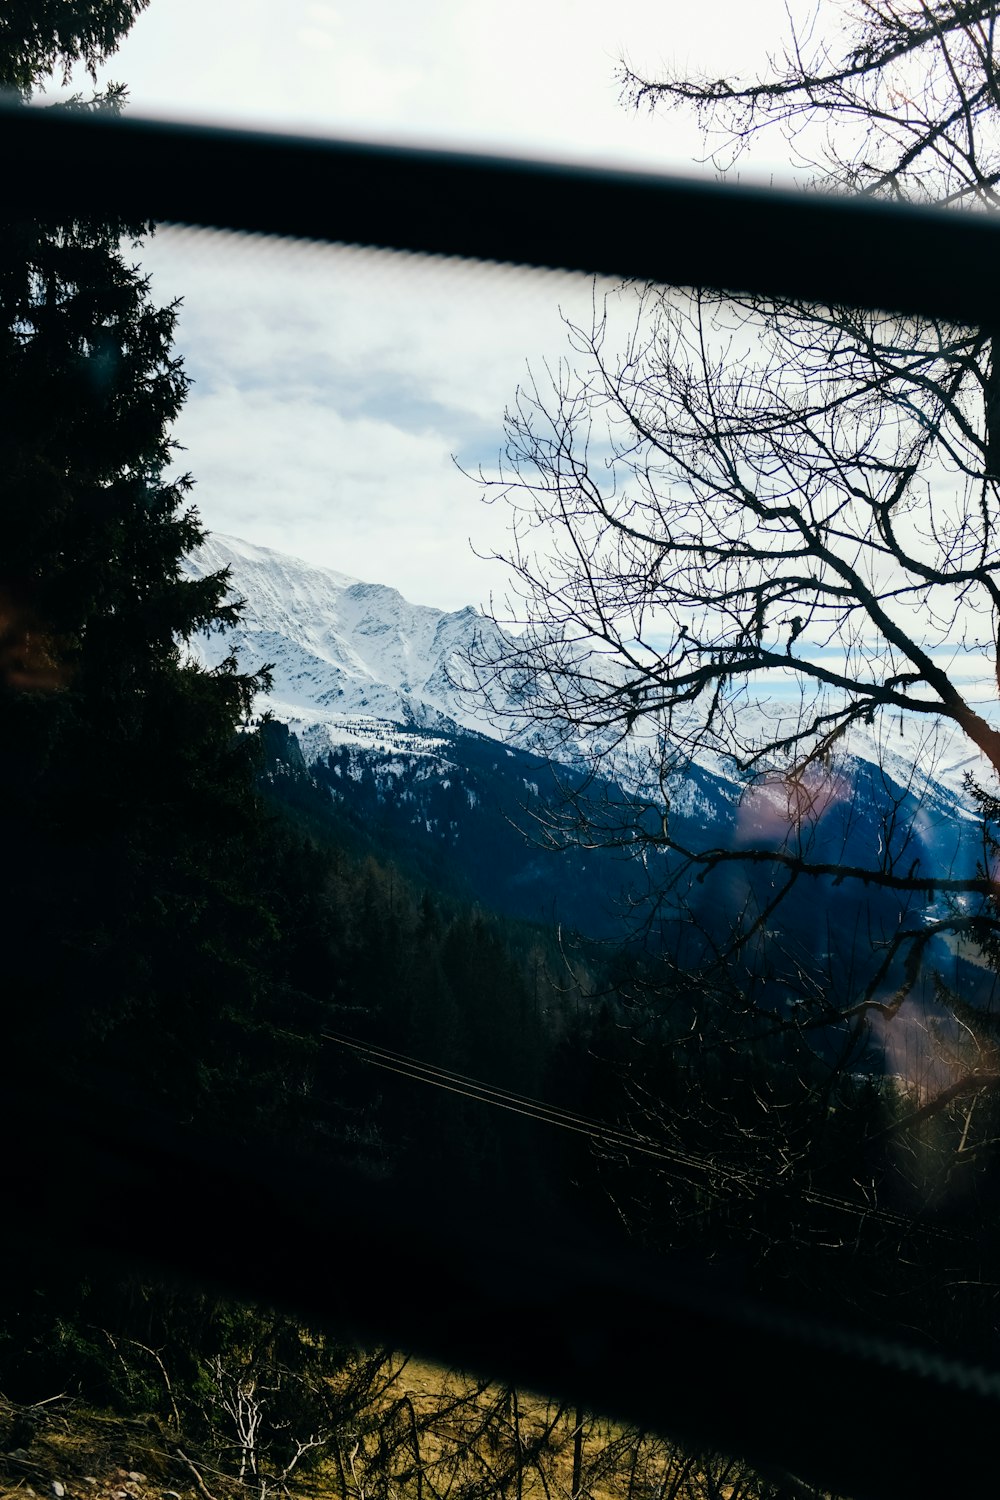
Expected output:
(756, 538)
(752, 533)
(39, 37)
(139, 928)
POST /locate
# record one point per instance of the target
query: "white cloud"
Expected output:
(333, 386)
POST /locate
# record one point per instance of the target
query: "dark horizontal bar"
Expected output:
(623, 223)
(470, 1284)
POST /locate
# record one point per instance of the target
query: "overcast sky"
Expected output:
(333, 388)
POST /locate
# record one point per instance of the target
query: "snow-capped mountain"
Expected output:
(356, 663)
(367, 682)
(353, 662)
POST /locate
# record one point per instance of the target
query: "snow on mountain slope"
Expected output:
(356, 663)
(351, 660)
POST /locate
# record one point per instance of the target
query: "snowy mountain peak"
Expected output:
(222, 551)
(349, 657)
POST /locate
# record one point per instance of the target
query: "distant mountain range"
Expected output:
(366, 682)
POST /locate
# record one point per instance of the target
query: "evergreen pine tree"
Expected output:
(38, 37)
(141, 934)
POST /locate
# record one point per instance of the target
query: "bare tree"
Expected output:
(761, 535)
(758, 540)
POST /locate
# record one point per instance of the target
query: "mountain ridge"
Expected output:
(355, 662)
(349, 657)
(370, 687)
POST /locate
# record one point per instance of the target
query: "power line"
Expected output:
(479, 1092)
(554, 1113)
(484, 1093)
